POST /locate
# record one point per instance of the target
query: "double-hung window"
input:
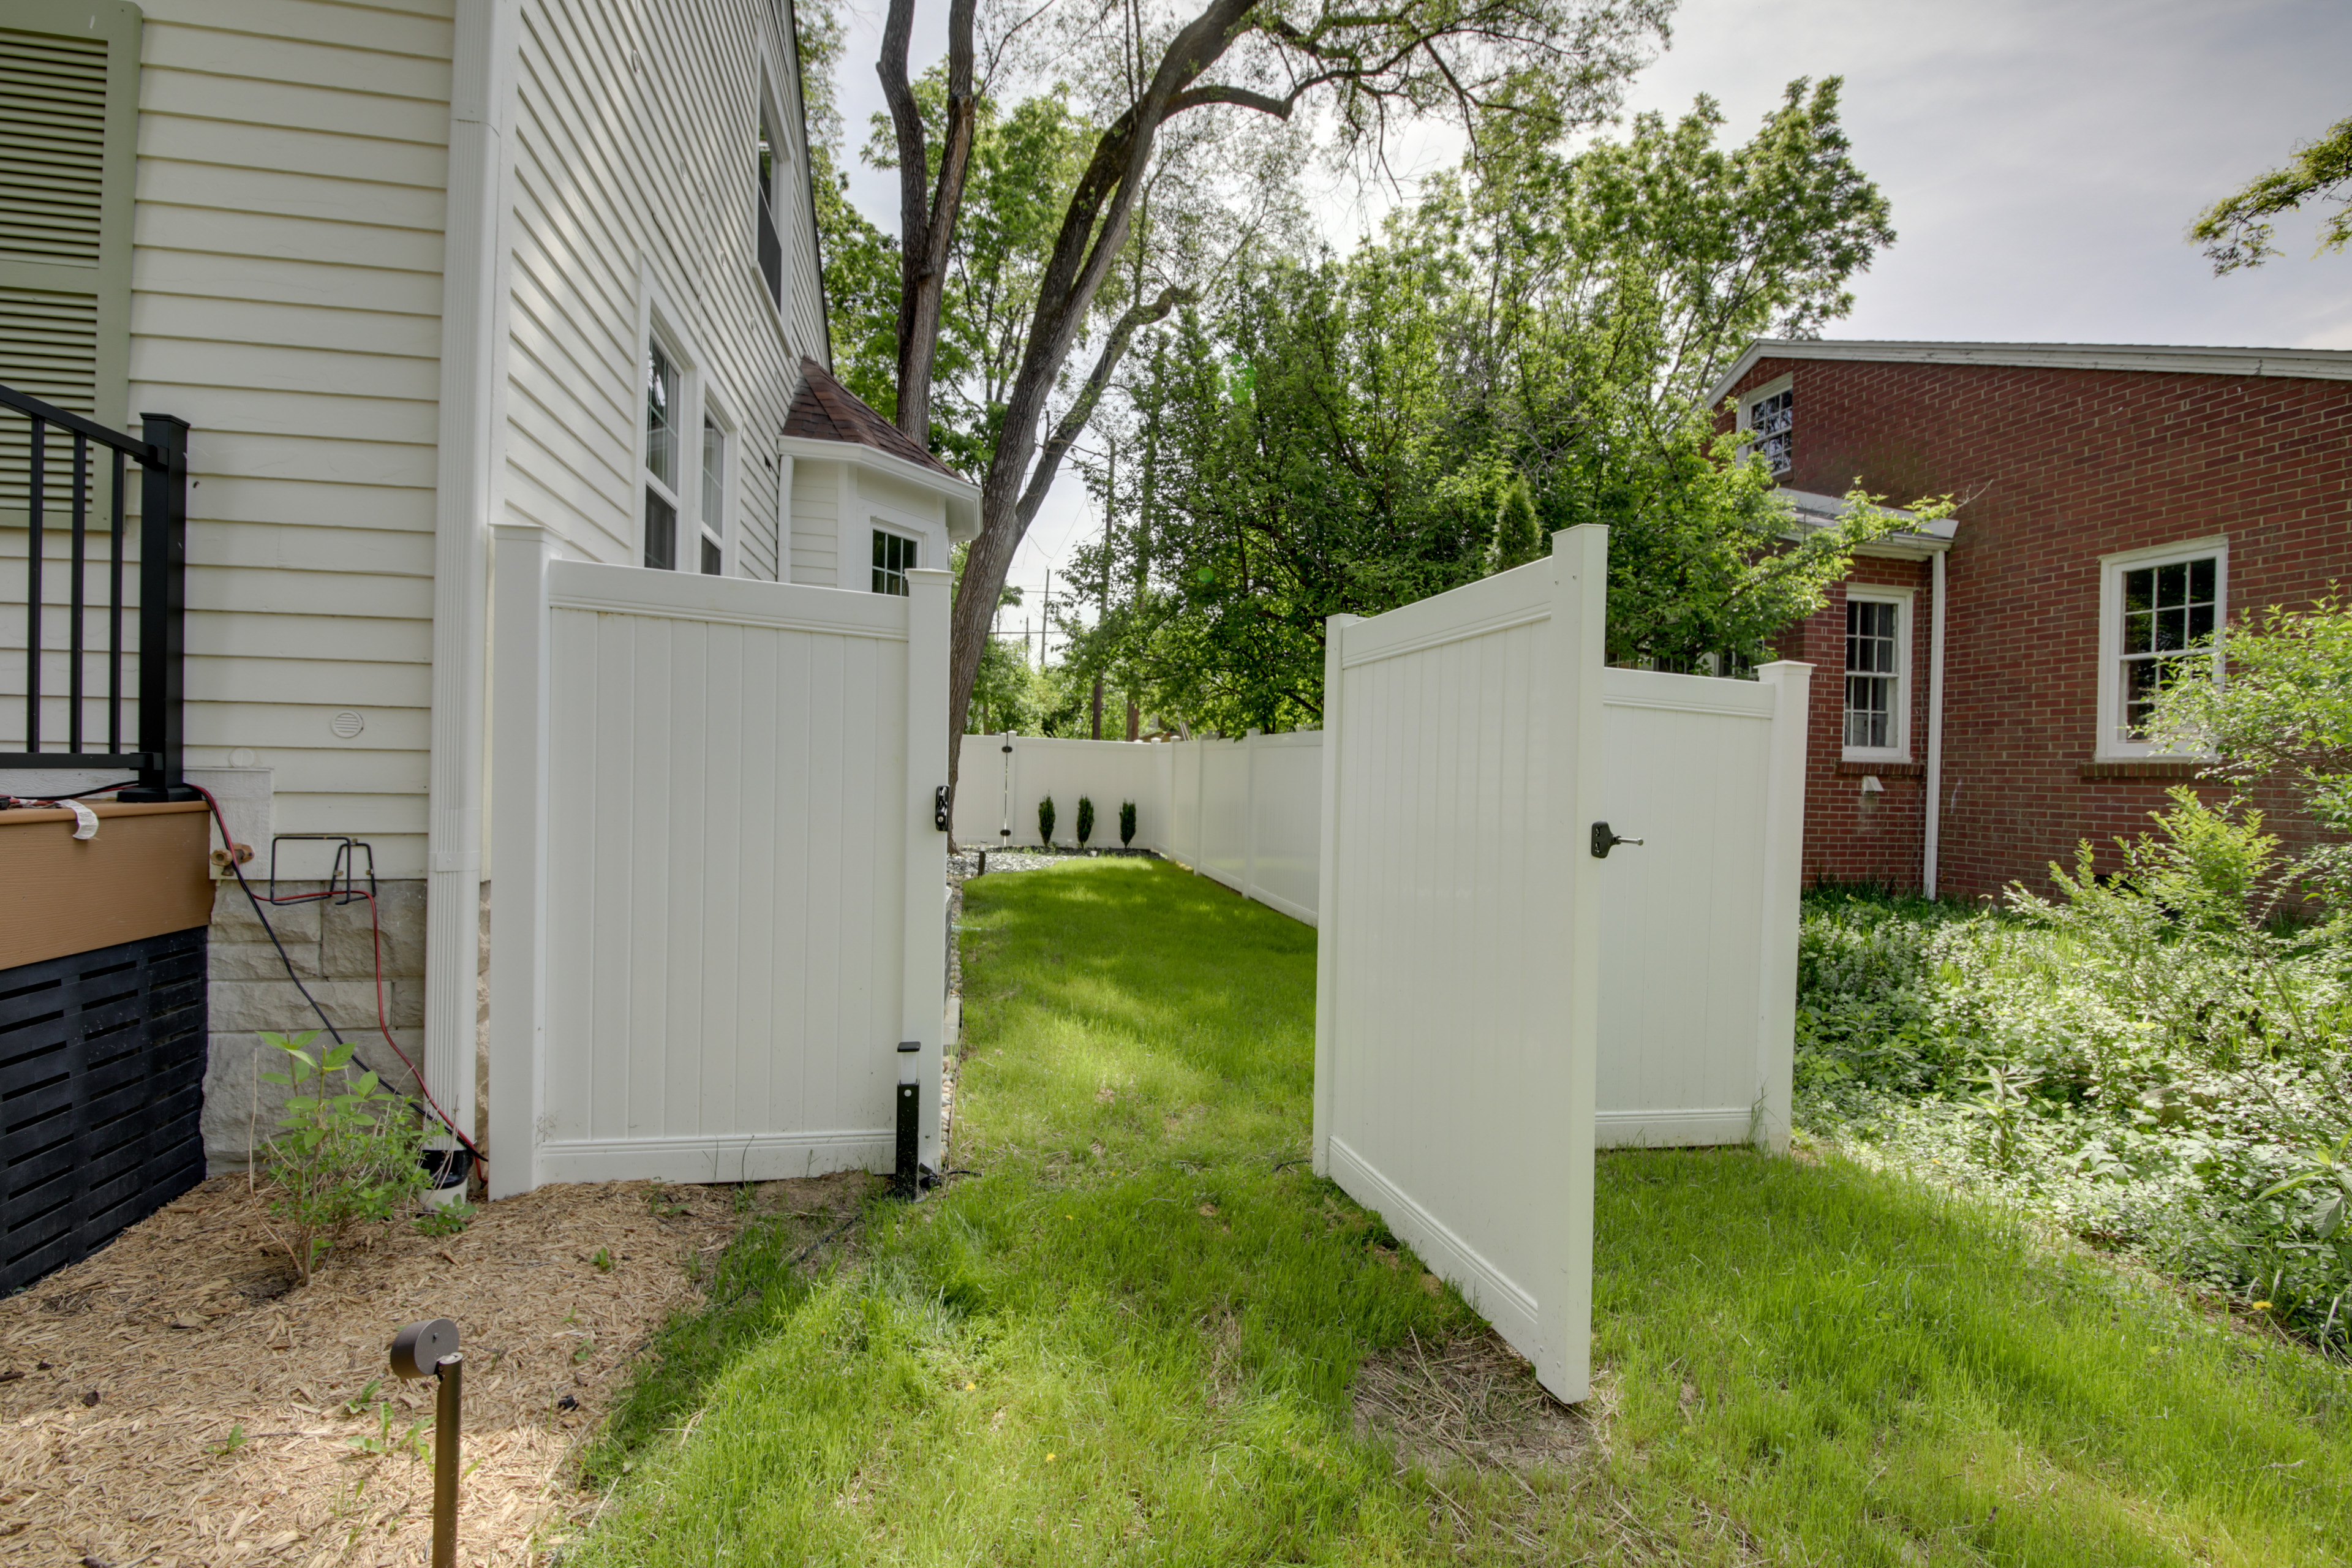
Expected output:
(1769, 416)
(665, 407)
(895, 555)
(769, 237)
(2160, 621)
(1877, 675)
(713, 499)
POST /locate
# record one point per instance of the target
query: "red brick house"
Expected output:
(2115, 503)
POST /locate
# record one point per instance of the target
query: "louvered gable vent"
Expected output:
(68, 108)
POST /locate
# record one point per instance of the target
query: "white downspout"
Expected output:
(1934, 803)
(482, 53)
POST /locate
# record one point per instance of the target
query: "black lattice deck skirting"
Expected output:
(101, 1079)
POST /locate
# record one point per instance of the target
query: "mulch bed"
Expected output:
(176, 1399)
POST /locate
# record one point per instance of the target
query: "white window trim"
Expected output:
(920, 537)
(657, 323)
(1751, 397)
(1900, 751)
(768, 100)
(2111, 745)
(731, 489)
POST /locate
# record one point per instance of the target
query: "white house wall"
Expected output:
(816, 511)
(286, 302)
(633, 190)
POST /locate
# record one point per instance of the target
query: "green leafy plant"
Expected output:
(603, 1260)
(347, 1154)
(1126, 823)
(234, 1440)
(1045, 821)
(1085, 819)
(445, 1219)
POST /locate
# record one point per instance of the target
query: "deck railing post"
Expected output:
(162, 606)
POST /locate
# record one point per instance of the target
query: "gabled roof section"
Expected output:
(828, 411)
(2320, 364)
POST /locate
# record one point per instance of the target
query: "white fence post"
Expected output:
(1784, 842)
(923, 989)
(519, 774)
(1249, 815)
(1327, 903)
(1574, 660)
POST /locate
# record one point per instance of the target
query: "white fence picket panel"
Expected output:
(983, 769)
(717, 880)
(1457, 967)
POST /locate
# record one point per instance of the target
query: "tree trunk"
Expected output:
(926, 223)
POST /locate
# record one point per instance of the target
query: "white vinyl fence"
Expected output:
(717, 900)
(1698, 934)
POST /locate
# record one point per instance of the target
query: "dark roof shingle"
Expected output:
(828, 411)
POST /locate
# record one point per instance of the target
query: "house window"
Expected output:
(771, 168)
(2161, 617)
(894, 557)
(1877, 648)
(713, 498)
(662, 477)
(1770, 417)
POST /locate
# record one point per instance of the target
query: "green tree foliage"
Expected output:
(1024, 161)
(860, 262)
(1516, 539)
(2236, 230)
(1350, 434)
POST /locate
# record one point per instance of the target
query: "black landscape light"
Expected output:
(430, 1349)
(907, 1179)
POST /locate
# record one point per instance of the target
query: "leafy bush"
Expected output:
(348, 1153)
(1126, 823)
(2155, 1057)
(1085, 819)
(1045, 821)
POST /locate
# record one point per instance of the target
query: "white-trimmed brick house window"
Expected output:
(665, 407)
(1877, 675)
(2160, 614)
(1769, 416)
(895, 554)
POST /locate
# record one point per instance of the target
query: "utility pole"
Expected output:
(1111, 511)
(1046, 621)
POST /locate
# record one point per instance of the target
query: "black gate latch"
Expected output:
(939, 808)
(1604, 841)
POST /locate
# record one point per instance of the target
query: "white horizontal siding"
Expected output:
(816, 523)
(286, 298)
(632, 140)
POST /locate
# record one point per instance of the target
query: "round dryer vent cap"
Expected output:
(347, 725)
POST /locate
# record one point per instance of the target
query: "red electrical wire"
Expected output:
(375, 931)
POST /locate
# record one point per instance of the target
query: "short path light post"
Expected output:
(430, 1349)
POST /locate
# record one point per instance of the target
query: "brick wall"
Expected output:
(1853, 834)
(2054, 469)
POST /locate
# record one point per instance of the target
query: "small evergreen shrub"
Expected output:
(1045, 821)
(1086, 819)
(1126, 823)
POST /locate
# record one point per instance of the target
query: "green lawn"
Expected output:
(1133, 1339)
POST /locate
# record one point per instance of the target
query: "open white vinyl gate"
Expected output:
(1456, 1001)
(716, 884)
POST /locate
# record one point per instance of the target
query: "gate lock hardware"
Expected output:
(1604, 841)
(939, 808)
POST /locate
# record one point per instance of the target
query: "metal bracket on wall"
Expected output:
(342, 877)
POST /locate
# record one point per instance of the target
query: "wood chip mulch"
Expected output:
(174, 1399)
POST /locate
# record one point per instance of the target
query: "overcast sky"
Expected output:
(2043, 158)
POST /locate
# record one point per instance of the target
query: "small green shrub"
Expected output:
(1126, 823)
(1045, 821)
(348, 1153)
(1085, 819)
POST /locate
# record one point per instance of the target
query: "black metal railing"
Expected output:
(161, 452)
